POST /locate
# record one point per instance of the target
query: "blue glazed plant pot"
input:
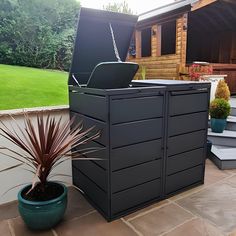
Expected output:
(42, 215)
(218, 125)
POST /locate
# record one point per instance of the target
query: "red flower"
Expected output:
(196, 71)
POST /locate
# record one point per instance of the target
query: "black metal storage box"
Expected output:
(132, 138)
(131, 130)
(185, 146)
(153, 134)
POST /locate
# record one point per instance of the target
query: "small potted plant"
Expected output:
(44, 145)
(219, 111)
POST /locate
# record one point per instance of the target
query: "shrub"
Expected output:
(38, 33)
(222, 90)
(219, 108)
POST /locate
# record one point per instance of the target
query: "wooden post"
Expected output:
(178, 36)
(181, 43)
(184, 30)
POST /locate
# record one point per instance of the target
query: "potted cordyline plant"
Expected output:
(44, 146)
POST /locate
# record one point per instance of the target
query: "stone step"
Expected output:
(231, 123)
(227, 138)
(233, 111)
(223, 157)
(223, 152)
(233, 106)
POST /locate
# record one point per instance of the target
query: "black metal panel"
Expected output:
(130, 177)
(187, 123)
(126, 110)
(135, 132)
(94, 193)
(87, 104)
(173, 86)
(183, 179)
(186, 142)
(98, 126)
(93, 172)
(182, 102)
(134, 154)
(184, 161)
(132, 197)
(99, 152)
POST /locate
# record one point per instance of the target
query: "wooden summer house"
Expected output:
(168, 39)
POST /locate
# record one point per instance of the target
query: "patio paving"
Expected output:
(207, 210)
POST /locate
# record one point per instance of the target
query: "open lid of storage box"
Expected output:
(94, 44)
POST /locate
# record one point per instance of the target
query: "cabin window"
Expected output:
(168, 38)
(146, 49)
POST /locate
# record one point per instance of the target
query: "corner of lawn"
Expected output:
(25, 87)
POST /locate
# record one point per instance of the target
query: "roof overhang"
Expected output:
(165, 13)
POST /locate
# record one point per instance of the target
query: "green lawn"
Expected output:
(24, 87)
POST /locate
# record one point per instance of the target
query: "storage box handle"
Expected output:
(174, 93)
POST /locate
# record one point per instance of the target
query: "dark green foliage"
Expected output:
(219, 108)
(37, 33)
